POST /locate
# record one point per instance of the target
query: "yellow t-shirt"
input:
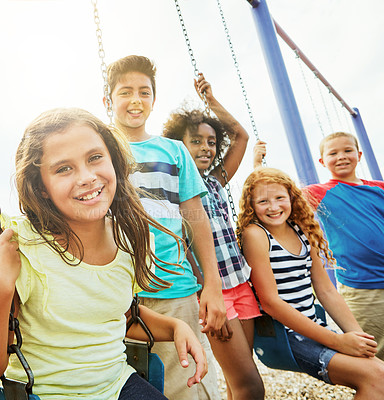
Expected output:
(72, 321)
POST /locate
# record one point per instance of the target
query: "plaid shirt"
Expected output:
(233, 268)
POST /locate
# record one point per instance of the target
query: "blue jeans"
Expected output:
(137, 388)
(312, 357)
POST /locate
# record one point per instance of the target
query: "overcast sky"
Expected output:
(49, 58)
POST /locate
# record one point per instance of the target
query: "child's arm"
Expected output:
(256, 251)
(164, 328)
(238, 135)
(9, 271)
(259, 152)
(354, 337)
(212, 311)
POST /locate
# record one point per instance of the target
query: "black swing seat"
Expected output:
(271, 343)
(15, 390)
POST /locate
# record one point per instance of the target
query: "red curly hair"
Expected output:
(301, 213)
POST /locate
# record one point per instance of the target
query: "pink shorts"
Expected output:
(241, 302)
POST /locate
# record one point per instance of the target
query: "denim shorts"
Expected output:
(312, 357)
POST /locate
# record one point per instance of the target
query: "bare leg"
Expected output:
(249, 331)
(237, 363)
(365, 375)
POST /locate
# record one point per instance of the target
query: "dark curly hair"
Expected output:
(182, 119)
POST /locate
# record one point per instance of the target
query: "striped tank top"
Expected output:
(293, 274)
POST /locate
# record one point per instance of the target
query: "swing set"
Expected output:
(270, 342)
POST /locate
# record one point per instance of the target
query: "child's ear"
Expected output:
(153, 102)
(44, 193)
(321, 161)
(359, 155)
(105, 101)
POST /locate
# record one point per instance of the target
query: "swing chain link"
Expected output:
(224, 174)
(14, 327)
(101, 52)
(298, 58)
(245, 95)
(191, 55)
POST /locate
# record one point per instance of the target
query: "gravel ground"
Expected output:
(292, 385)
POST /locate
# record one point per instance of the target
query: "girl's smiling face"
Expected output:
(271, 203)
(78, 174)
(202, 146)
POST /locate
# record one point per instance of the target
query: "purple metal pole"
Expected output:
(366, 146)
(284, 95)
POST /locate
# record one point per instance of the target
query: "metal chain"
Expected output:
(323, 101)
(224, 174)
(15, 348)
(334, 107)
(253, 123)
(107, 88)
(191, 55)
(309, 92)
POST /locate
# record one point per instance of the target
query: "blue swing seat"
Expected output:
(271, 343)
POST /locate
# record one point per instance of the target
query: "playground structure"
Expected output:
(292, 122)
(267, 30)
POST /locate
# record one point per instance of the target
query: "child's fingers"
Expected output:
(6, 239)
(198, 91)
(204, 85)
(201, 366)
(366, 335)
(202, 313)
(6, 235)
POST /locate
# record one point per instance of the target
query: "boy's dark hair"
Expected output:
(131, 63)
(183, 119)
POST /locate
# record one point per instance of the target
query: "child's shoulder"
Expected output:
(254, 231)
(315, 193)
(379, 184)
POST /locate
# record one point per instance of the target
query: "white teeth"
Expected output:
(135, 111)
(90, 196)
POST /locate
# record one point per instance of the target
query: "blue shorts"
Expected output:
(312, 357)
(137, 388)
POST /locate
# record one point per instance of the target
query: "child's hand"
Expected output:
(358, 344)
(225, 333)
(9, 259)
(203, 87)
(187, 342)
(259, 152)
(212, 311)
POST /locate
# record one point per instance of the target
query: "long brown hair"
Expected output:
(130, 222)
(301, 213)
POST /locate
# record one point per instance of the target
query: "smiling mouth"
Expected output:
(134, 112)
(275, 215)
(90, 196)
